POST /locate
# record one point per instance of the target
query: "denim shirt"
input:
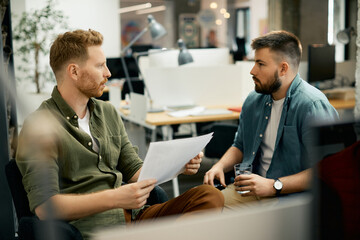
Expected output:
(303, 105)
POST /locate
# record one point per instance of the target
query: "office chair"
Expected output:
(223, 138)
(32, 228)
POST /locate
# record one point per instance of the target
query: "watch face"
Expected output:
(278, 185)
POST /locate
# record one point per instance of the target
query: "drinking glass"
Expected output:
(241, 168)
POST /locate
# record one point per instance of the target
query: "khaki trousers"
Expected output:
(235, 200)
(193, 201)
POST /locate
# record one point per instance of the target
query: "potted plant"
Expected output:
(33, 34)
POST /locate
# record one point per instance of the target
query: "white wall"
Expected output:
(94, 14)
(82, 14)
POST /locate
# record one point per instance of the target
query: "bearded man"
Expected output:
(274, 133)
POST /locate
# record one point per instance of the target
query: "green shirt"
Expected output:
(71, 164)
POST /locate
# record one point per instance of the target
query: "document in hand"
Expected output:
(167, 159)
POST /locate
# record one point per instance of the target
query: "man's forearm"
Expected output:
(296, 183)
(135, 177)
(75, 206)
(232, 156)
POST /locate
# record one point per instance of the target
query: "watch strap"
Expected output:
(277, 190)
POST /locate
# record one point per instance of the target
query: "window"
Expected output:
(336, 23)
(243, 30)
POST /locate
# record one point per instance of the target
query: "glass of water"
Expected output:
(241, 168)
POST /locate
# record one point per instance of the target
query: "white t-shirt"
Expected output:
(267, 146)
(84, 125)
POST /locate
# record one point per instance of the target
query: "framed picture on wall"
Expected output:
(189, 30)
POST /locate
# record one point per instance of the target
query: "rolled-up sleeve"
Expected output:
(37, 161)
(238, 139)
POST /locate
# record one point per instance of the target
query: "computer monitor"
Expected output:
(142, 48)
(117, 70)
(321, 62)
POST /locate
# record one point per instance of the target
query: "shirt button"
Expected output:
(77, 128)
(68, 118)
(269, 104)
(75, 117)
(266, 117)
(253, 153)
(89, 143)
(261, 135)
(100, 158)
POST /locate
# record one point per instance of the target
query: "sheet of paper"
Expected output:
(165, 160)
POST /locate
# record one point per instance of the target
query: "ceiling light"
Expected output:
(213, 5)
(151, 10)
(218, 22)
(223, 10)
(134, 8)
(226, 15)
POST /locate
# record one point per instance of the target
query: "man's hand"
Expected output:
(133, 195)
(257, 185)
(215, 172)
(192, 167)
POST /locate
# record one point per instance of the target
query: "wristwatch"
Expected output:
(278, 185)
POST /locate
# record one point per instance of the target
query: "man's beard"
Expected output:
(273, 87)
(90, 87)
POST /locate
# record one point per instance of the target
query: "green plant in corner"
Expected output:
(33, 34)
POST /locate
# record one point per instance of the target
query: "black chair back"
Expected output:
(30, 227)
(17, 190)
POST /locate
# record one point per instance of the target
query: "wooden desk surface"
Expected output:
(162, 118)
(342, 104)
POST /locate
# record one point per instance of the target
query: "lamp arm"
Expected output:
(139, 54)
(127, 76)
(134, 40)
(136, 57)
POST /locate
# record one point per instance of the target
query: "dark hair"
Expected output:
(282, 42)
(72, 46)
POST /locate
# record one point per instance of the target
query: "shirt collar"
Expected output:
(294, 85)
(65, 109)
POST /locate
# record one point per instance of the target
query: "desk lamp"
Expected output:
(184, 54)
(156, 30)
